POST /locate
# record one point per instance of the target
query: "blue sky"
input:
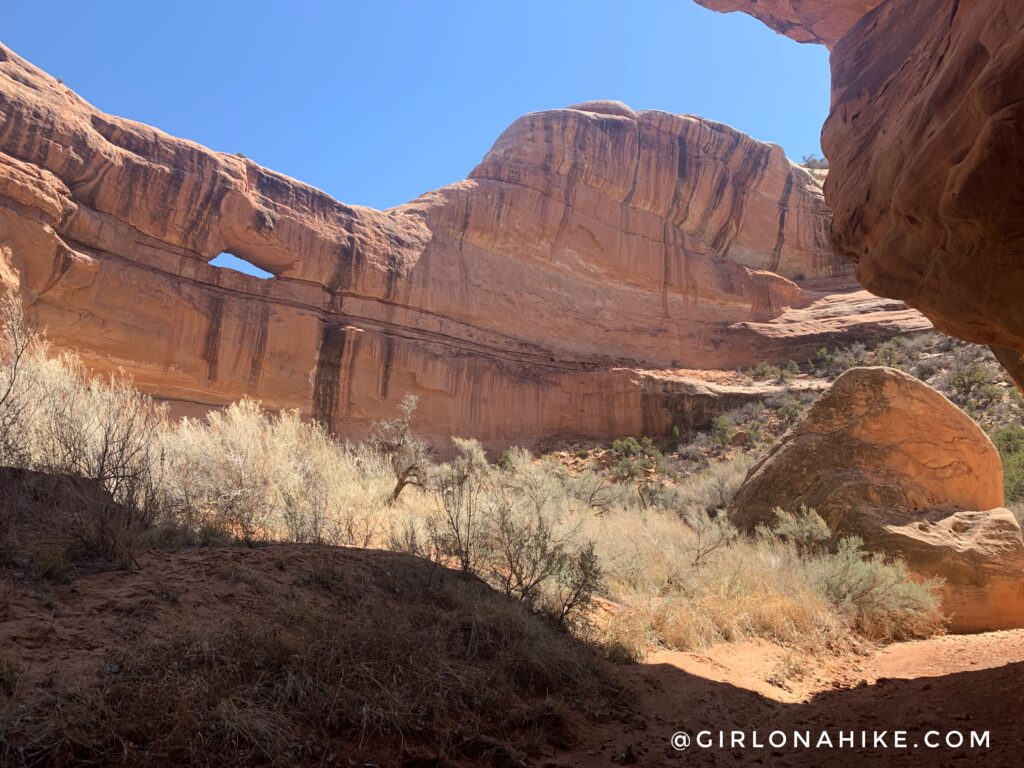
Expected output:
(376, 102)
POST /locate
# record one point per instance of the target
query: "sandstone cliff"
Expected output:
(592, 247)
(927, 161)
(806, 21)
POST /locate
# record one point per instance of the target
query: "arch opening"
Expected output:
(227, 260)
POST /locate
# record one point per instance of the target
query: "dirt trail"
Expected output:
(956, 683)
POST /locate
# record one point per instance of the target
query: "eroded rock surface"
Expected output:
(884, 456)
(927, 157)
(806, 21)
(591, 246)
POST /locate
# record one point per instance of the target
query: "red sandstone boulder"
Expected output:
(884, 456)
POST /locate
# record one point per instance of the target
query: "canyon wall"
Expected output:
(926, 144)
(806, 21)
(592, 249)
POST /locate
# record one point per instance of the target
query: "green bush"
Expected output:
(767, 372)
(636, 459)
(721, 431)
(813, 161)
(833, 363)
(1009, 441)
(629, 447)
(806, 529)
(878, 598)
(790, 411)
(1013, 478)
(890, 354)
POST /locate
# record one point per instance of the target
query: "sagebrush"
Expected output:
(632, 555)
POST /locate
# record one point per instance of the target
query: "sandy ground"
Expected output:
(944, 684)
(947, 685)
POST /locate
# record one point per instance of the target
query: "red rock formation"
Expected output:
(927, 155)
(884, 456)
(590, 245)
(806, 21)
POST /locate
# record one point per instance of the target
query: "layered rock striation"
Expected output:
(806, 21)
(927, 158)
(591, 247)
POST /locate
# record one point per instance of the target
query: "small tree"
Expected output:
(579, 578)
(406, 453)
(523, 547)
(967, 376)
(721, 431)
(766, 371)
(813, 161)
(17, 400)
(710, 533)
(459, 485)
(636, 460)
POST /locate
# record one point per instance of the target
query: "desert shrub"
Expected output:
(970, 380)
(460, 487)
(1009, 441)
(709, 533)
(635, 463)
(524, 550)
(914, 346)
(62, 421)
(790, 410)
(643, 450)
(713, 489)
(874, 596)
(890, 354)
(806, 529)
(813, 161)
(766, 372)
(925, 368)
(686, 579)
(506, 526)
(251, 475)
(721, 430)
(226, 471)
(878, 598)
(591, 489)
(406, 453)
(833, 363)
(578, 578)
(100, 428)
(626, 447)
(19, 386)
(743, 589)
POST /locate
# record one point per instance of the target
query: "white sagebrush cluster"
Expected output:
(671, 570)
(255, 476)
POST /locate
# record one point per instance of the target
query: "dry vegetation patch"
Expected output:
(314, 654)
(623, 547)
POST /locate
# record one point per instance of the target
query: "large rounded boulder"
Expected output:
(886, 457)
